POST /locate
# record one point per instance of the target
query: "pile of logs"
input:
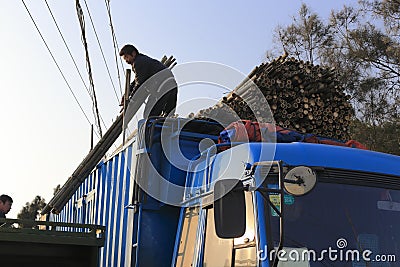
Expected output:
(301, 96)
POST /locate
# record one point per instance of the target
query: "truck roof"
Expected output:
(337, 157)
(340, 161)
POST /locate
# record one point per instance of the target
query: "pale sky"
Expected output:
(44, 134)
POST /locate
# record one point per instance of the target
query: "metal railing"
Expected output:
(16, 230)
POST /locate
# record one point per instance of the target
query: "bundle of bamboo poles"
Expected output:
(301, 96)
(169, 62)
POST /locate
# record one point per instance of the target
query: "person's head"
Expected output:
(128, 53)
(5, 203)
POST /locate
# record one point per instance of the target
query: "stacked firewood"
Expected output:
(301, 96)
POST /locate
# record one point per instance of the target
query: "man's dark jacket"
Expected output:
(144, 67)
(159, 104)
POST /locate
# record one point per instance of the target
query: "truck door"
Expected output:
(240, 251)
(187, 242)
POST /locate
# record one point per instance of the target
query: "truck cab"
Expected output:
(293, 204)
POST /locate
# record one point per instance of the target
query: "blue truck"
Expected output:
(173, 196)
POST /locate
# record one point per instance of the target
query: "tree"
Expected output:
(389, 10)
(303, 38)
(369, 40)
(363, 44)
(31, 210)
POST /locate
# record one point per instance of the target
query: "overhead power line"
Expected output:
(88, 67)
(101, 50)
(115, 43)
(55, 62)
(66, 45)
(70, 54)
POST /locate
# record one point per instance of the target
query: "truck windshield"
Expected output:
(334, 223)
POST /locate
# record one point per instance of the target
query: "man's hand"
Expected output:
(132, 90)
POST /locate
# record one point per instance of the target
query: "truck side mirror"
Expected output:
(300, 180)
(229, 208)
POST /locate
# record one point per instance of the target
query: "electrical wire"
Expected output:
(115, 43)
(88, 66)
(55, 61)
(101, 50)
(70, 53)
(66, 45)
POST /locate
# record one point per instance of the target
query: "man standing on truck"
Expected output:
(5, 205)
(161, 85)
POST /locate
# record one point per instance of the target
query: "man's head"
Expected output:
(128, 53)
(5, 203)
